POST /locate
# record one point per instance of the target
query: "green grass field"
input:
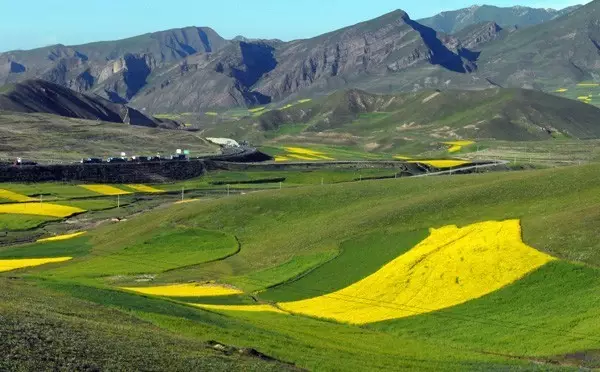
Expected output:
(311, 239)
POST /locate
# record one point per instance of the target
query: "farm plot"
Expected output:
(9, 265)
(13, 196)
(146, 189)
(186, 290)
(105, 189)
(40, 209)
(452, 266)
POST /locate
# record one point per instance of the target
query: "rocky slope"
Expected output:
(115, 69)
(194, 69)
(40, 96)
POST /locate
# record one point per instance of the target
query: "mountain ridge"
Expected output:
(389, 53)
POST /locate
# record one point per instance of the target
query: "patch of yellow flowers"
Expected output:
(186, 290)
(9, 195)
(60, 237)
(456, 146)
(144, 188)
(452, 266)
(40, 209)
(105, 189)
(441, 163)
(8, 265)
(303, 154)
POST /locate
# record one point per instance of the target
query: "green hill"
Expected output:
(306, 242)
(378, 122)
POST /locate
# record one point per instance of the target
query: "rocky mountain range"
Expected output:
(516, 16)
(193, 69)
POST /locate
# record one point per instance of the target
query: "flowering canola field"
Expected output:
(9, 195)
(245, 308)
(40, 209)
(144, 188)
(186, 290)
(60, 237)
(105, 189)
(300, 153)
(452, 266)
(441, 163)
(7, 265)
(456, 146)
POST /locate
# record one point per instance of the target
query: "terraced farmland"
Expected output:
(476, 272)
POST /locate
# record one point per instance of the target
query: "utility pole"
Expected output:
(118, 201)
(227, 189)
(182, 190)
(280, 185)
(322, 181)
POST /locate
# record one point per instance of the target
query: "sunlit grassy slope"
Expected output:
(305, 242)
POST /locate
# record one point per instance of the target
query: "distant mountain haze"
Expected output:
(193, 69)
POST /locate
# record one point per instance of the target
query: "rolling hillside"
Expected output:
(40, 96)
(524, 301)
(391, 122)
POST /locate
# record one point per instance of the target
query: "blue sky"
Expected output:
(36, 23)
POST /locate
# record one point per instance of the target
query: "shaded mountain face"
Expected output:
(115, 69)
(40, 96)
(520, 16)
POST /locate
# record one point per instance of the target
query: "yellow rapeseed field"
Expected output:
(7, 265)
(588, 84)
(9, 195)
(456, 146)
(40, 209)
(281, 158)
(400, 157)
(561, 90)
(60, 237)
(304, 100)
(105, 189)
(301, 157)
(144, 188)
(245, 308)
(441, 163)
(305, 154)
(453, 265)
(186, 290)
